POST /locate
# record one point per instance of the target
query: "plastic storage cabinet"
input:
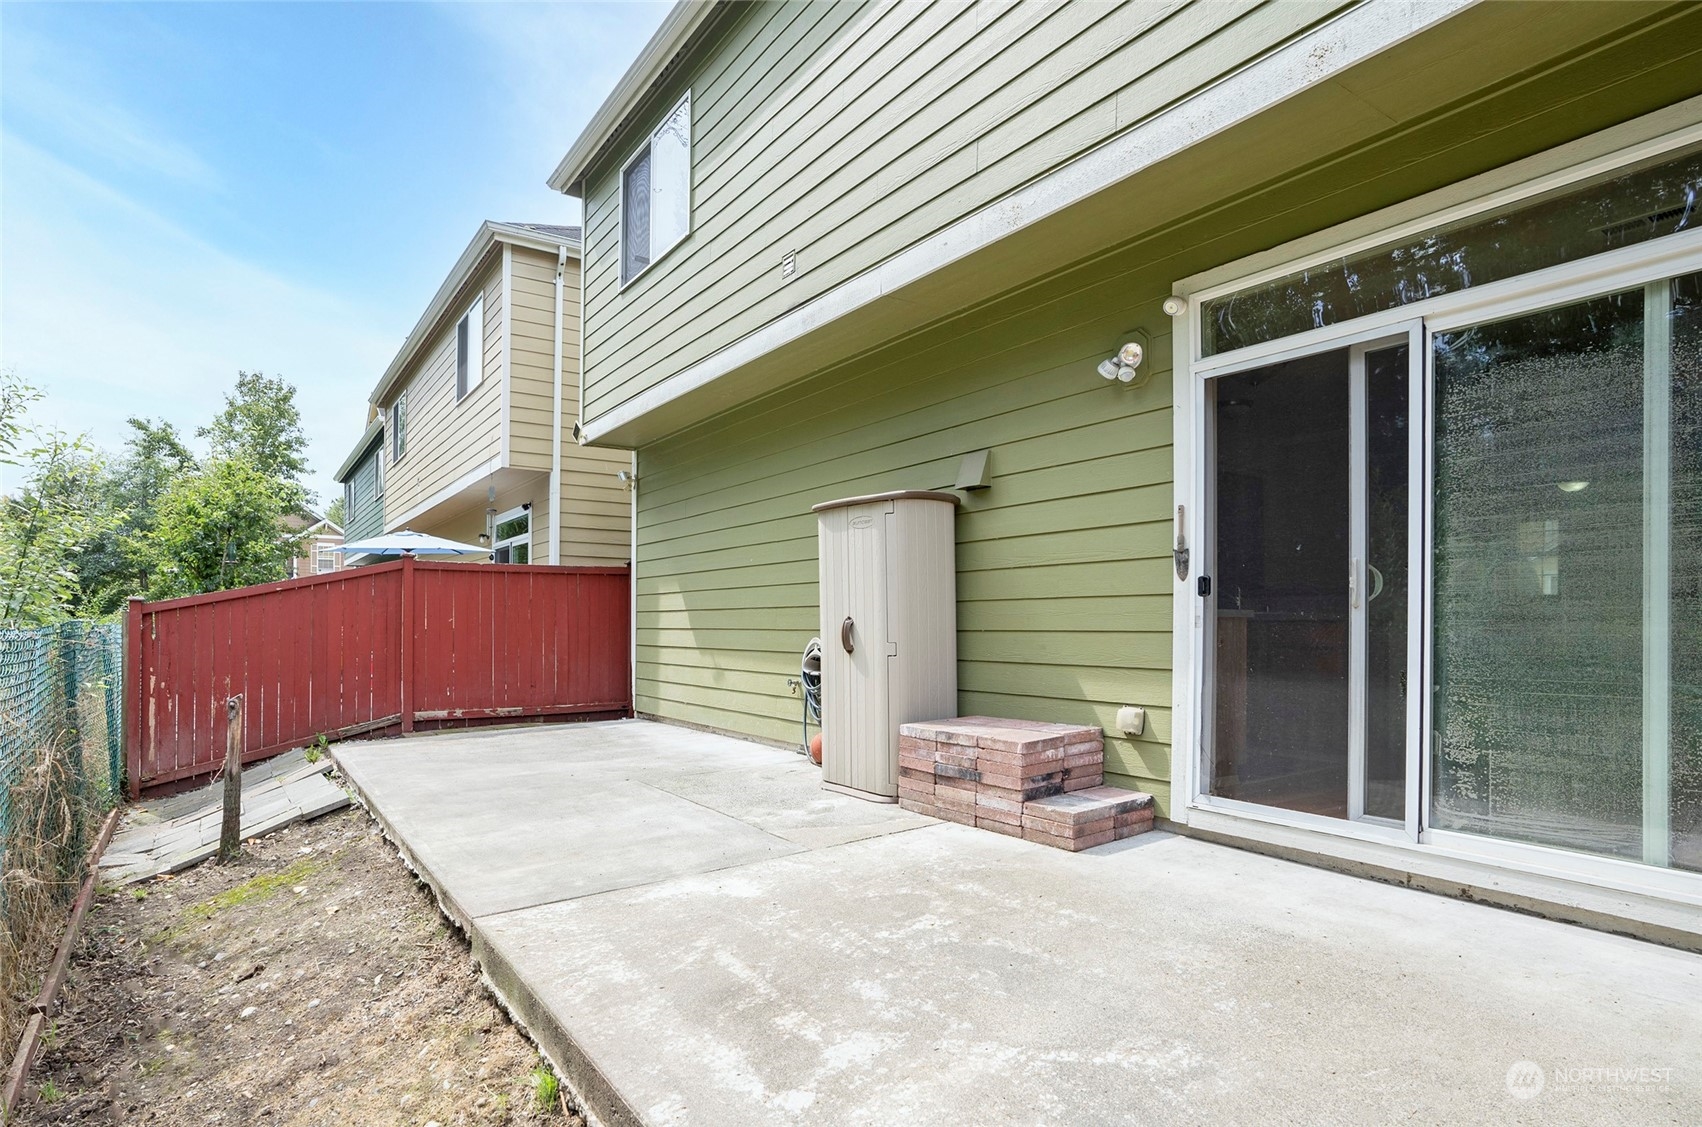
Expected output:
(888, 631)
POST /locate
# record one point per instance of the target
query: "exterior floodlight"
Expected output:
(1175, 306)
(1125, 366)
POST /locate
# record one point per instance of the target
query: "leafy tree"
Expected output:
(219, 527)
(15, 398)
(261, 425)
(336, 512)
(62, 508)
(114, 564)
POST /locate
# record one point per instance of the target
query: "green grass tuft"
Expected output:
(545, 1087)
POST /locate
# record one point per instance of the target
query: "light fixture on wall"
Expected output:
(1175, 306)
(1126, 364)
(484, 539)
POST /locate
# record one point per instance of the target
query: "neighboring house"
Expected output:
(470, 433)
(320, 540)
(362, 478)
(1419, 412)
(319, 550)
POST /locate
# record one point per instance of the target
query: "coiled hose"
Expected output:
(809, 674)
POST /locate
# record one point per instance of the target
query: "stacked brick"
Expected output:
(1042, 782)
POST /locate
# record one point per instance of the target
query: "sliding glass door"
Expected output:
(1561, 569)
(1311, 487)
(1567, 576)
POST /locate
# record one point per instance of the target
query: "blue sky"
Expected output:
(191, 189)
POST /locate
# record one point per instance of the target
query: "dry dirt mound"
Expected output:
(314, 982)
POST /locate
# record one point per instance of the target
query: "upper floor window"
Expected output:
(656, 193)
(349, 496)
(398, 427)
(324, 559)
(470, 348)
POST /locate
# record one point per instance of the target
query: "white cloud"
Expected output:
(60, 95)
(116, 311)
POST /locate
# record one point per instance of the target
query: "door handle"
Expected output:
(1353, 584)
(845, 635)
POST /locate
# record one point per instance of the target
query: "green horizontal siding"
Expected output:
(366, 518)
(1063, 601)
(1065, 584)
(846, 133)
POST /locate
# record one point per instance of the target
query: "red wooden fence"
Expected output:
(394, 646)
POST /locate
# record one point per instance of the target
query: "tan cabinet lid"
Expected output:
(899, 495)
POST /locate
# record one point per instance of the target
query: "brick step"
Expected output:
(1087, 818)
(1024, 778)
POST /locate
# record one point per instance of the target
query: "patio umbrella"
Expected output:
(410, 544)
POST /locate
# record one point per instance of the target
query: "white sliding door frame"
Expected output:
(1642, 266)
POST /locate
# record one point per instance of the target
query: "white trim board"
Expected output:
(1303, 63)
(506, 288)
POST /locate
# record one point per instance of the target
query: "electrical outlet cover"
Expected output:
(1131, 720)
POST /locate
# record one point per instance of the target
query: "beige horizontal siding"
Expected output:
(596, 509)
(446, 438)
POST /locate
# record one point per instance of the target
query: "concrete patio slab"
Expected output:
(866, 965)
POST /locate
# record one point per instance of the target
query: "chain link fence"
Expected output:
(61, 765)
(61, 696)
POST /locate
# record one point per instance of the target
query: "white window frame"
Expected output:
(324, 558)
(399, 428)
(657, 251)
(470, 370)
(1665, 131)
(509, 542)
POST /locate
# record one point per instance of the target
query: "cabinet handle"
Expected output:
(845, 635)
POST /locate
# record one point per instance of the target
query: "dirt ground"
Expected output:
(314, 982)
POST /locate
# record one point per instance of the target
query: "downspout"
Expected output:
(555, 430)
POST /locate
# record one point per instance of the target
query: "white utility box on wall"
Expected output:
(888, 631)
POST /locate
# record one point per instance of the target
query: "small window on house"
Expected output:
(470, 348)
(324, 559)
(349, 498)
(656, 193)
(377, 479)
(398, 427)
(511, 536)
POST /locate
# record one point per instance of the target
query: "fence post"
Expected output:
(65, 641)
(230, 830)
(406, 647)
(134, 683)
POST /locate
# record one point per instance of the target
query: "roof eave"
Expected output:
(681, 23)
(373, 433)
(489, 234)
